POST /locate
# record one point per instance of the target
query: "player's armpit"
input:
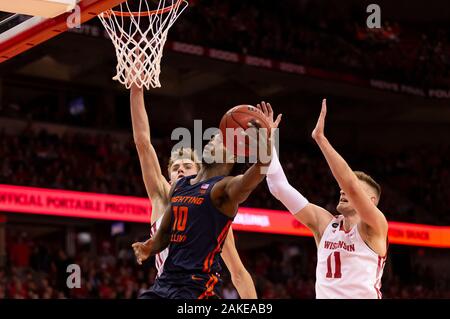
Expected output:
(220, 199)
(377, 242)
(315, 218)
(238, 188)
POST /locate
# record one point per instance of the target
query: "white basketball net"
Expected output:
(139, 39)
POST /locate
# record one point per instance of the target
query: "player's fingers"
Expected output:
(258, 106)
(269, 107)
(265, 110)
(278, 120)
(323, 113)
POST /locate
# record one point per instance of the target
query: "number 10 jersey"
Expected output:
(198, 229)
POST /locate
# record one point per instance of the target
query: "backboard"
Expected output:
(19, 32)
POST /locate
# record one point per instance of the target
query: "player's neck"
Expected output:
(209, 171)
(350, 221)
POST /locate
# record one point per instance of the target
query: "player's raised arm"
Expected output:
(239, 275)
(364, 204)
(314, 217)
(156, 185)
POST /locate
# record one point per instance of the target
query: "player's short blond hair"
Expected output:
(184, 153)
(369, 181)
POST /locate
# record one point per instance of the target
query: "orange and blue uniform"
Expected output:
(197, 233)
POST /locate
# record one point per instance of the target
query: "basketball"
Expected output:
(239, 117)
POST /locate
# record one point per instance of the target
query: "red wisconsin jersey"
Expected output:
(346, 267)
(161, 257)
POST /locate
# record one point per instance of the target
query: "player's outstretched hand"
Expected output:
(260, 142)
(142, 250)
(266, 108)
(318, 131)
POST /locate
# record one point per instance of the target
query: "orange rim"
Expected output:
(142, 13)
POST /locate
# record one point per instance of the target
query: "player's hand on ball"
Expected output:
(266, 108)
(318, 131)
(259, 137)
(141, 251)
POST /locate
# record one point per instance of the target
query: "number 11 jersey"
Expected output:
(347, 268)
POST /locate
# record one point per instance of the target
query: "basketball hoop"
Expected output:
(139, 34)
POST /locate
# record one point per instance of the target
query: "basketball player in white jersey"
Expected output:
(351, 246)
(182, 163)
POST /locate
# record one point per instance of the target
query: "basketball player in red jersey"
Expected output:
(182, 163)
(352, 246)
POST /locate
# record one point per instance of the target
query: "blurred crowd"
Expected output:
(415, 183)
(76, 161)
(320, 34)
(280, 270)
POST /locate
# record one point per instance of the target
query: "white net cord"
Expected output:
(139, 37)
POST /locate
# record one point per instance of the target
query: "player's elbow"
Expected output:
(239, 277)
(243, 283)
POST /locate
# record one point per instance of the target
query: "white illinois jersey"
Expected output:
(346, 267)
(161, 257)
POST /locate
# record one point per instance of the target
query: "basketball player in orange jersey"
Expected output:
(182, 163)
(197, 220)
(352, 246)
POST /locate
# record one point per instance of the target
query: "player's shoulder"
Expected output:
(222, 181)
(324, 216)
(327, 220)
(226, 179)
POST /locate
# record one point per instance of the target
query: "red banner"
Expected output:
(30, 200)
